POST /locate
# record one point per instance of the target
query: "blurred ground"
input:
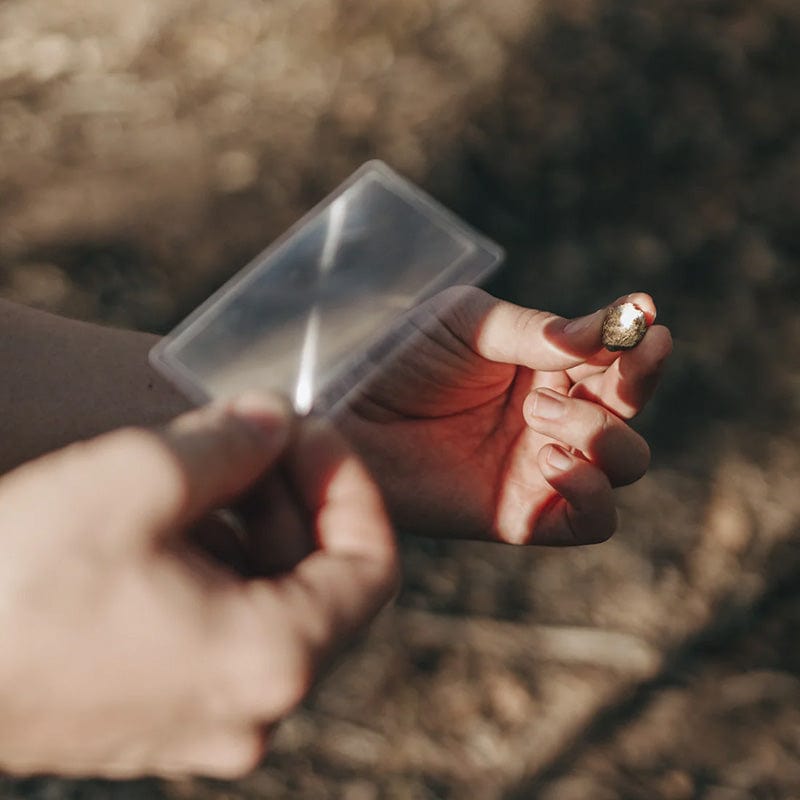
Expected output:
(148, 150)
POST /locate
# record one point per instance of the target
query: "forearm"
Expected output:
(62, 380)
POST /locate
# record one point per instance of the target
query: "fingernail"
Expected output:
(559, 459)
(580, 324)
(547, 404)
(636, 299)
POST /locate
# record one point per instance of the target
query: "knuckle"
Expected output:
(645, 456)
(243, 754)
(380, 575)
(621, 451)
(530, 320)
(599, 421)
(600, 498)
(146, 454)
(264, 682)
(599, 428)
(637, 459)
(146, 448)
(627, 411)
(138, 439)
(604, 528)
(292, 684)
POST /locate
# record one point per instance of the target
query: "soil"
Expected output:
(148, 150)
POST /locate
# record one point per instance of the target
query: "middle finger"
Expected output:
(600, 436)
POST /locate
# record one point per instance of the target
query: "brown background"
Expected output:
(149, 149)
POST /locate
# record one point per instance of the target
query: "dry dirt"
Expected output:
(148, 149)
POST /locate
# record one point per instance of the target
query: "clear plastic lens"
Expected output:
(302, 318)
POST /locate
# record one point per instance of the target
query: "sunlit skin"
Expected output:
(464, 423)
(448, 429)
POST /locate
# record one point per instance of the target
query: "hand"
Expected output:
(507, 423)
(126, 650)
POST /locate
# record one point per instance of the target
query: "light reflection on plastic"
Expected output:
(304, 388)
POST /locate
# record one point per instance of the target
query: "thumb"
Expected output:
(203, 459)
(511, 334)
